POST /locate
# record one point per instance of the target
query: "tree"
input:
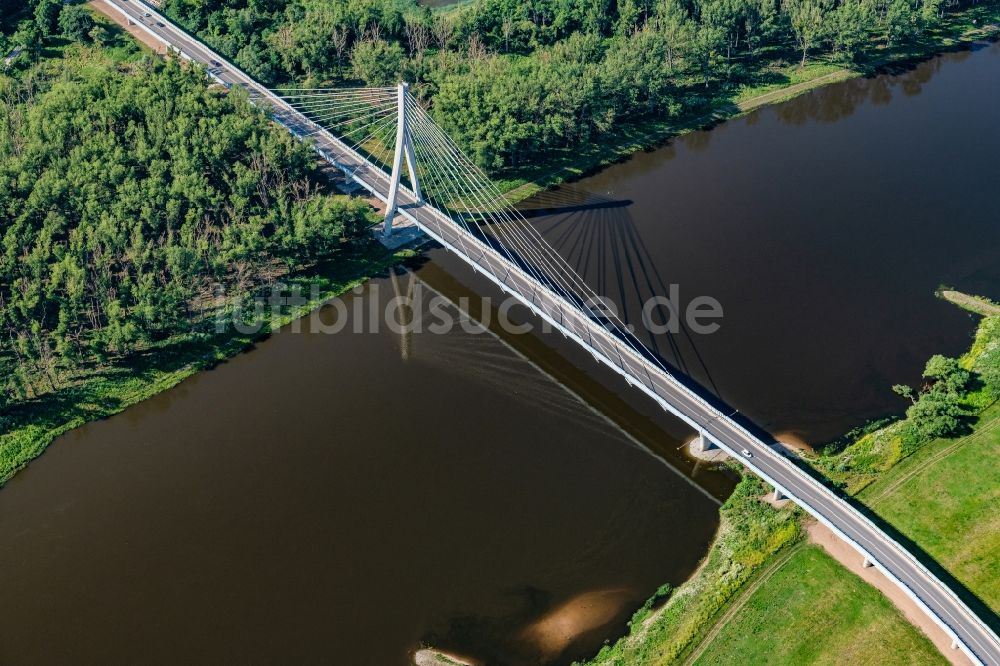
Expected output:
(99, 35)
(418, 35)
(936, 415)
(850, 27)
(76, 22)
(443, 28)
(931, 12)
(901, 22)
(28, 37)
(760, 19)
(989, 369)
(47, 16)
(709, 36)
(807, 20)
(377, 62)
(905, 391)
(629, 15)
(938, 410)
(259, 61)
(673, 22)
(947, 374)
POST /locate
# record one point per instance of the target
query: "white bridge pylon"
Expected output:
(389, 126)
(403, 148)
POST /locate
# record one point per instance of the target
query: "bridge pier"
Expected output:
(404, 149)
(867, 564)
(704, 442)
(778, 495)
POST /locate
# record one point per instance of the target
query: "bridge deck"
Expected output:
(935, 598)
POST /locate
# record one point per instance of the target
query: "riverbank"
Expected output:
(751, 533)
(95, 393)
(939, 494)
(778, 83)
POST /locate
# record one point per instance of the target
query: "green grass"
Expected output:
(99, 392)
(946, 499)
(814, 611)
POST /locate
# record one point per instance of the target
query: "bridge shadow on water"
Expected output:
(599, 238)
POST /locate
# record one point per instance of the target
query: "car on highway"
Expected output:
(746, 453)
(146, 14)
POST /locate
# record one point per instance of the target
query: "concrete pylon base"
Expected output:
(697, 449)
(704, 443)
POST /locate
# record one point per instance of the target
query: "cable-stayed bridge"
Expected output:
(383, 139)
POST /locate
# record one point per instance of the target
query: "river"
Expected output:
(346, 498)
(823, 226)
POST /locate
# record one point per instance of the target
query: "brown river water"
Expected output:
(346, 498)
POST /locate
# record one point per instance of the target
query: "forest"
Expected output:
(131, 195)
(512, 80)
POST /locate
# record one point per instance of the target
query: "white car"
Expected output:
(746, 452)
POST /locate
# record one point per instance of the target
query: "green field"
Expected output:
(946, 498)
(814, 611)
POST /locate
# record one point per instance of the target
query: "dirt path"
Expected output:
(737, 605)
(846, 555)
(782, 93)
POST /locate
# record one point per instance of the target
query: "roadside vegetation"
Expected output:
(139, 205)
(539, 91)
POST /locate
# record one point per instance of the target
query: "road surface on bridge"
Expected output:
(966, 629)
